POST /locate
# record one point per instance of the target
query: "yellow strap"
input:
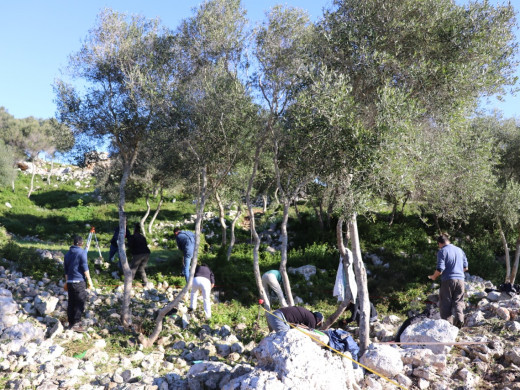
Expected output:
(335, 350)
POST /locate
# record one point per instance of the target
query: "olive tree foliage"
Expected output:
(443, 55)
(455, 172)
(217, 113)
(121, 66)
(282, 51)
(63, 140)
(502, 201)
(27, 138)
(10, 153)
(432, 57)
(7, 159)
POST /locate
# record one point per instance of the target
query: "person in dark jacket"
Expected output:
(76, 273)
(203, 281)
(186, 244)
(279, 319)
(114, 247)
(140, 253)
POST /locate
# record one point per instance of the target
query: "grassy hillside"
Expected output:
(397, 282)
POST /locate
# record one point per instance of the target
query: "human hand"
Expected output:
(431, 277)
(66, 287)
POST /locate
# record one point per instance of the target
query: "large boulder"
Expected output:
(8, 309)
(292, 360)
(306, 270)
(433, 333)
(45, 303)
(383, 359)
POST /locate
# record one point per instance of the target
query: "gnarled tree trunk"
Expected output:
(283, 262)
(514, 271)
(361, 280)
(233, 238)
(346, 260)
(506, 252)
(221, 217)
(161, 199)
(150, 340)
(145, 216)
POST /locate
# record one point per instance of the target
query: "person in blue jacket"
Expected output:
(452, 263)
(76, 273)
(186, 244)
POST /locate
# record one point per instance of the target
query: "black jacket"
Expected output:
(299, 315)
(205, 272)
(137, 244)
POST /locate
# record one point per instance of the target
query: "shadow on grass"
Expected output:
(58, 199)
(164, 215)
(55, 228)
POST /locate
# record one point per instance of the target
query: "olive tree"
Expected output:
(121, 67)
(426, 60)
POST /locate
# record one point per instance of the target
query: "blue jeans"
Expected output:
(114, 250)
(187, 264)
(276, 321)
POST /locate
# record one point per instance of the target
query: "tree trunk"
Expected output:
(276, 200)
(254, 235)
(506, 251)
(344, 255)
(394, 210)
(319, 215)
(437, 225)
(297, 211)
(232, 239)
(264, 199)
(50, 172)
(361, 280)
(143, 220)
(126, 316)
(32, 179)
(161, 199)
(517, 258)
(222, 219)
(283, 262)
(201, 202)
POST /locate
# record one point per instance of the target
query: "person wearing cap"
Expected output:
(76, 273)
(186, 244)
(451, 265)
(279, 320)
(203, 281)
(272, 279)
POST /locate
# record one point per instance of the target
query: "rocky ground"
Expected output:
(37, 352)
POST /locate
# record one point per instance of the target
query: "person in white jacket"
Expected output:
(203, 281)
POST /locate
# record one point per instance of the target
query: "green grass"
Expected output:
(57, 212)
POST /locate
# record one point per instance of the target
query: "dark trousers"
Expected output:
(76, 305)
(139, 264)
(451, 305)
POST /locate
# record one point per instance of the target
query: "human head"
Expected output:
(319, 318)
(78, 240)
(443, 239)
(137, 228)
(176, 231)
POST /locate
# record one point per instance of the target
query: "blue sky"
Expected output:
(37, 36)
